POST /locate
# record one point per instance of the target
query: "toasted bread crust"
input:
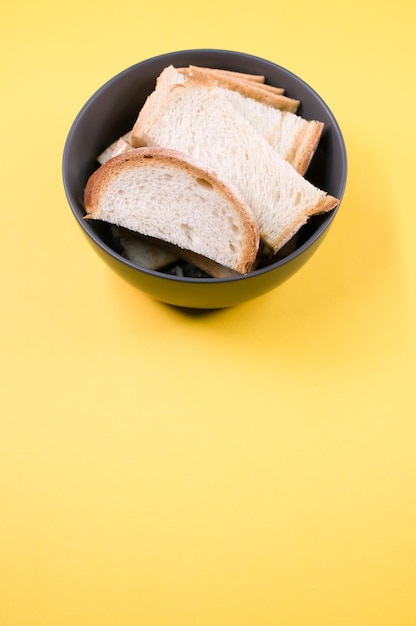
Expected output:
(256, 78)
(304, 146)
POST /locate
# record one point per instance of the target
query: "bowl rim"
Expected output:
(310, 241)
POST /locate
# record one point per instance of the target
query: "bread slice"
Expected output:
(162, 194)
(198, 119)
(268, 94)
(292, 136)
(256, 78)
(231, 80)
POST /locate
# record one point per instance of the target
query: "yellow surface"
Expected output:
(254, 466)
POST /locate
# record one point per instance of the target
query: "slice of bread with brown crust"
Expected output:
(255, 78)
(232, 79)
(268, 94)
(161, 193)
(292, 136)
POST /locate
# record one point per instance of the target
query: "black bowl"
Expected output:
(112, 111)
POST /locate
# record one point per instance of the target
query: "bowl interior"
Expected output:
(113, 109)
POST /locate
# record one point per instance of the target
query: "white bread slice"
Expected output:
(256, 78)
(292, 136)
(268, 94)
(161, 193)
(198, 119)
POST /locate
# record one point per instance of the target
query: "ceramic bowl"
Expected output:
(112, 111)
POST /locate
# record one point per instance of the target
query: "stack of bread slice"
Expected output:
(214, 168)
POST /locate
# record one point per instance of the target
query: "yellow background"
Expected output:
(252, 466)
